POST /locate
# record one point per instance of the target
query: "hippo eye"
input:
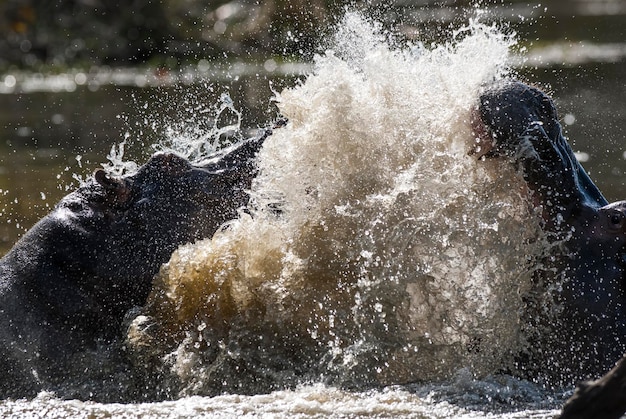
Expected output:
(616, 220)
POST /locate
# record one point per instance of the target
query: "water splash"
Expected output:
(117, 165)
(194, 142)
(376, 250)
(197, 137)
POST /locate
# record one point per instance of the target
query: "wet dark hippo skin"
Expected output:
(602, 398)
(587, 334)
(67, 283)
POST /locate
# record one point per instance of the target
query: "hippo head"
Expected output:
(520, 122)
(596, 265)
(586, 268)
(94, 256)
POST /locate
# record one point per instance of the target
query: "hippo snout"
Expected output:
(510, 110)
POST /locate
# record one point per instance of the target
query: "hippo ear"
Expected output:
(109, 183)
(118, 188)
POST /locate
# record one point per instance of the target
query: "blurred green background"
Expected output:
(96, 32)
(45, 34)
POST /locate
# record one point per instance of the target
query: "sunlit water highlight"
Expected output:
(315, 401)
(376, 252)
(554, 54)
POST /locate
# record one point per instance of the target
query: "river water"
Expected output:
(394, 252)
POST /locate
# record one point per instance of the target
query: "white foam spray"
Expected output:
(376, 251)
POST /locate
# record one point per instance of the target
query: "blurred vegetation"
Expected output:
(51, 35)
(70, 33)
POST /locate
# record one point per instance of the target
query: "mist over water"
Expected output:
(377, 251)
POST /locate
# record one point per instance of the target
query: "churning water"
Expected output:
(377, 253)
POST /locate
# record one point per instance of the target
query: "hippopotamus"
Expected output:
(602, 398)
(67, 283)
(580, 328)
